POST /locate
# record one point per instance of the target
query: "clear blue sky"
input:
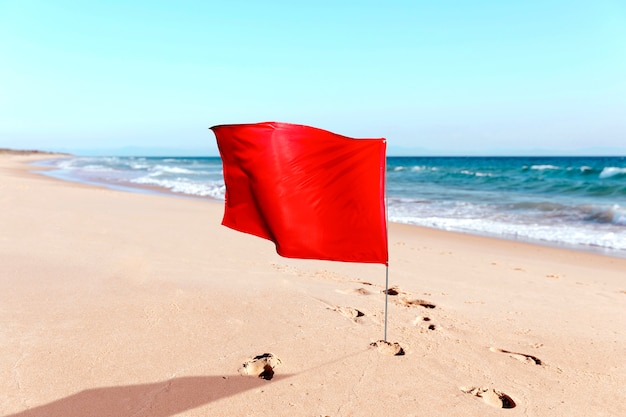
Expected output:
(448, 76)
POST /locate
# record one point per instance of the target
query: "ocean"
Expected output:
(573, 202)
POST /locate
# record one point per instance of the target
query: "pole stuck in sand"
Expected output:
(387, 236)
(386, 299)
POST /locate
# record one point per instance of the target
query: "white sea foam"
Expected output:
(476, 174)
(544, 167)
(418, 168)
(619, 215)
(97, 168)
(172, 170)
(589, 225)
(609, 172)
(72, 164)
(139, 165)
(591, 236)
(215, 189)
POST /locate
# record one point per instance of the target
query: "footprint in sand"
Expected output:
(361, 291)
(522, 357)
(420, 319)
(261, 366)
(391, 291)
(349, 312)
(388, 348)
(415, 302)
(490, 396)
(405, 300)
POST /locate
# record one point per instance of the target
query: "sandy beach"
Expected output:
(125, 304)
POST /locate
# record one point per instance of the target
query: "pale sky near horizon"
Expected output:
(449, 77)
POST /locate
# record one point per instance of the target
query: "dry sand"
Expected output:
(120, 304)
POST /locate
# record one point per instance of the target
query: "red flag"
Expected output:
(315, 194)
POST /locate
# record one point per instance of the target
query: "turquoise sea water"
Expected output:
(577, 202)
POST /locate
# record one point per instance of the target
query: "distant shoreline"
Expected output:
(167, 177)
(7, 151)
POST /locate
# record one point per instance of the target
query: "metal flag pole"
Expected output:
(387, 236)
(386, 298)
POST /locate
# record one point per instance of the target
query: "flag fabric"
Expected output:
(315, 194)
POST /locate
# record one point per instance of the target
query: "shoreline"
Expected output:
(126, 304)
(157, 190)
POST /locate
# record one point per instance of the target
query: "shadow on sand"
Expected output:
(160, 399)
